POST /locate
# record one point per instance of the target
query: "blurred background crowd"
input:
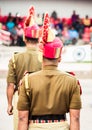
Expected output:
(73, 31)
(71, 20)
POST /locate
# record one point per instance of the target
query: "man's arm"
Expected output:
(11, 80)
(23, 120)
(10, 92)
(74, 119)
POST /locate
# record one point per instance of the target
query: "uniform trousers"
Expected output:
(49, 126)
(15, 111)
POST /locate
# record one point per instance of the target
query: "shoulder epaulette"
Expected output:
(13, 59)
(16, 52)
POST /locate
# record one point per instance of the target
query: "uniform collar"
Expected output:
(31, 49)
(50, 67)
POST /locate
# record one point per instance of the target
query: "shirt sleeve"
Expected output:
(23, 100)
(11, 77)
(75, 102)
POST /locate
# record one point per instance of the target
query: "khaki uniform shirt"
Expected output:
(25, 61)
(51, 92)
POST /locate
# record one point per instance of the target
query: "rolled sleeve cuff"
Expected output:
(76, 105)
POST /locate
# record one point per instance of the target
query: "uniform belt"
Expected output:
(47, 118)
(45, 121)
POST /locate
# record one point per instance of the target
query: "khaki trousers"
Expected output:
(49, 126)
(15, 111)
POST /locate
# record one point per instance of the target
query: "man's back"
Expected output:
(23, 62)
(51, 91)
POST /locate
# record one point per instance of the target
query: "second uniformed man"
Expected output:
(23, 62)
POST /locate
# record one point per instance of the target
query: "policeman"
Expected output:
(50, 93)
(23, 62)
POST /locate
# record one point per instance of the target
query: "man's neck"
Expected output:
(50, 63)
(31, 45)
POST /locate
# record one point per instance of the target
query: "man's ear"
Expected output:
(24, 39)
(59, 59)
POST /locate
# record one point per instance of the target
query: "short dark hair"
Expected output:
(32, 40)
(50, 58)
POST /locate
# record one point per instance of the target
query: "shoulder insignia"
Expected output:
(16, 52)
(13, 59)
